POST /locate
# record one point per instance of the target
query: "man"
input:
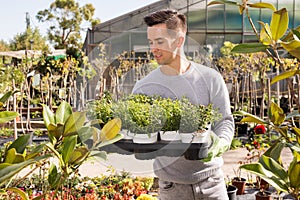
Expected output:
(178, 77)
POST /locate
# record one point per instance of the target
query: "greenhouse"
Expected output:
(208, 28)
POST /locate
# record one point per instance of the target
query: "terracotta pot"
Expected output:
(263, 184)
(263, 195)
(240, 184)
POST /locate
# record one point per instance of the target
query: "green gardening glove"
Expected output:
(217, 147)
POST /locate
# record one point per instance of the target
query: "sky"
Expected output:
(13, 13)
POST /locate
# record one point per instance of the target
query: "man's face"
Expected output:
(163, 44)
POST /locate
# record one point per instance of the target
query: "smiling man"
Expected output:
(175, 78)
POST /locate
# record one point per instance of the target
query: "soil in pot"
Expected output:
(240, 183)
(231, 192)
(263, 195)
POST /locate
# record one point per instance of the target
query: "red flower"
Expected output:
(260, 129)
(256, 144)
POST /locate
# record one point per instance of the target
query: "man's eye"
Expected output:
(160, 42)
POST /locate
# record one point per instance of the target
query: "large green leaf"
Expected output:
(55, 130)
(222, 2)
(294, 171)
(6, 96)
(108, 142)
(68, 147)
(262, 5)
(265, 34)
(54, 176)
(291, 35)
(250, 118)
(275, 151)
(293, 47)
(284, 75)
(63, 112)
(279, 23)
(270, 177)
(249, 48)
(20, 192)
(6, 116)
(48, 116)
(273, 166)
(86, 133)
(98, 154)
(78, 156)
(13, 157)
(74, 123)
(7, 171)
(277, 114)
(20, 143)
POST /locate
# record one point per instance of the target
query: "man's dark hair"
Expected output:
(172, 18)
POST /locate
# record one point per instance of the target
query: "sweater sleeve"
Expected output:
(219, 97)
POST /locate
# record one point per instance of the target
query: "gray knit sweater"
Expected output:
(201, 85)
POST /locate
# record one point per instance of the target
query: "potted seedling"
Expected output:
(196, 121)
(146, 117)
(169, 131)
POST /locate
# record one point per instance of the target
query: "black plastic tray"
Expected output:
(191, 151)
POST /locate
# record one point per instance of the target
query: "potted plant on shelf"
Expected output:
(195, 121)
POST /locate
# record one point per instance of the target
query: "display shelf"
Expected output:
(191, 151)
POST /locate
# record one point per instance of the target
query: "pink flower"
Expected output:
(260, 129)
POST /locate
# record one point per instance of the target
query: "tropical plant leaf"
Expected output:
(99, 154)
(108, 142)
(291, 35)
(249, 48)
(6, 96)
(20, 192)
(68, 147)
(74, 122)
(262, 5)
(55, 130)
(277, 114)
(86, 133)
(271, 165)
(7, 170)
(270, 177)
(110, 129)
(293, 47)
(265, 34)
(279, 23)
(20, 143)
(48, 116)
(78, 156)
(54, 176)
(63, 112)
(294, 171)
(284, 75)
(250, 118)
(6, 116)
(13, 157)
(222, 2)
(275, 151)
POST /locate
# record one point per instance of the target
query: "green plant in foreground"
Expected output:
(270, 167)
(68, 132)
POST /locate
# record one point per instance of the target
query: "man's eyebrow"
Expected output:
(157, 39)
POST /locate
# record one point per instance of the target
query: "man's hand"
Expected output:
(217, 147)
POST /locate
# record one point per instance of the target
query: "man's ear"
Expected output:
(180, 41)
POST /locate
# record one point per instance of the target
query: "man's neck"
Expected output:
(176, 68)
